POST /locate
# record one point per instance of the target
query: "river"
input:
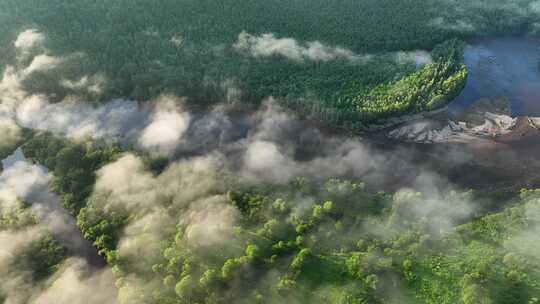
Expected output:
(508, 67)
(498, 67)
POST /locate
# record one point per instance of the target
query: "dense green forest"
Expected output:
(188, 226)
(140, 49)
(188, 234)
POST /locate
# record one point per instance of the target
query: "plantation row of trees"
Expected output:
(310, 243)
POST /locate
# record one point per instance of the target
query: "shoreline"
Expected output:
(393, 122)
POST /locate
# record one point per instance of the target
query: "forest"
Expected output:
(208, 152)
(305, 242)
(141, 49)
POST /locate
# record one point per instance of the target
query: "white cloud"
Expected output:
(11, 90)
(75, 284)
(41, 63)
(92, 84)
(186, 186)
(168, 125)
(418, 57)
(111, 121)
(10, 133)
(16, 284)
(210, 222)
(535, 7)
(263, 159)
(268, 45)
(127, 183)
(10, 87)
(21, 181)
(29, 39)
(128, 186)
(177, 40)
(141, 237)
(13, 241)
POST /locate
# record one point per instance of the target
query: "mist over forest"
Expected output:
(275, 151)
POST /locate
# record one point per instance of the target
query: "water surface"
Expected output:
(503, 67)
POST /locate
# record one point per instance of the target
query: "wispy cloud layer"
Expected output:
(268, 45)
